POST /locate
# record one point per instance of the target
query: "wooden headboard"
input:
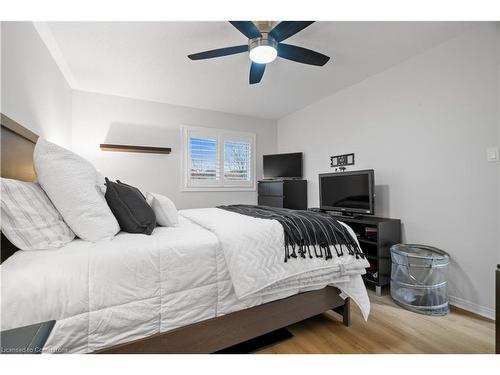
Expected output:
(18, 144)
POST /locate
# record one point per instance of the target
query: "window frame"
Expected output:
(221, 135)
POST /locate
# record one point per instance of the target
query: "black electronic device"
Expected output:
(350, 192)
(278, 166)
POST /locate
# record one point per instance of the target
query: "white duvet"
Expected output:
(254, 253)
(109, 292)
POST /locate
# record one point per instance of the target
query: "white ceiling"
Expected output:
(148, 60)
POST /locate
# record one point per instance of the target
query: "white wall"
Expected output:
(34, 92)
(110, 119)
(424, 126)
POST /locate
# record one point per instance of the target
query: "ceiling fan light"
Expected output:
(263, 54)
(263, 50)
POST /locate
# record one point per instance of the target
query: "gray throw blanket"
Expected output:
(305, 230)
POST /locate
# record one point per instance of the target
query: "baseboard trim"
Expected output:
(472, 307)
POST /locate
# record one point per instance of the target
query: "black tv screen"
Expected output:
(283, 165)
(347, 191)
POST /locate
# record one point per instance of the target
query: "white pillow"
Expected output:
(71, 182)
(29, 220)
(164, 209)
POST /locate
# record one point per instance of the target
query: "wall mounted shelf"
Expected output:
(129, 148)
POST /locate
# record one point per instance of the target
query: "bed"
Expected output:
(176, 291)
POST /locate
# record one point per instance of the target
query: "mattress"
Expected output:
(130, 287)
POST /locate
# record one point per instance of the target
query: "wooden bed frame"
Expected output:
(207, 336)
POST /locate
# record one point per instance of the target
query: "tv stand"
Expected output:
(376, 235)
(375, 243)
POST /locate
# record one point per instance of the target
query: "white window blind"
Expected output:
(204, 158)
(237, 160)
(216, 159)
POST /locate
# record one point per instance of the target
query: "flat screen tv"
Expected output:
(348, 192)
(283, 165)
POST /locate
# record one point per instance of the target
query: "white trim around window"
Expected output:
(217, 159)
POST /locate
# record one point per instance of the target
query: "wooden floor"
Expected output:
(390, 329)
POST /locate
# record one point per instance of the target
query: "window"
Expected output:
(236, 161)
(204, 159)
(216, 159)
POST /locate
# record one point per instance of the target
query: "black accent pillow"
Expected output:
(130, 208)
(132, 187)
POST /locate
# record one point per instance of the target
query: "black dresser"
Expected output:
(283, 193)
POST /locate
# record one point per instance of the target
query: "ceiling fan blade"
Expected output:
(247, 28)
(301, 55)
(285, 29)
(219, 52)
(256, 72)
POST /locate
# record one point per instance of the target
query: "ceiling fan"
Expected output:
(264, 45)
